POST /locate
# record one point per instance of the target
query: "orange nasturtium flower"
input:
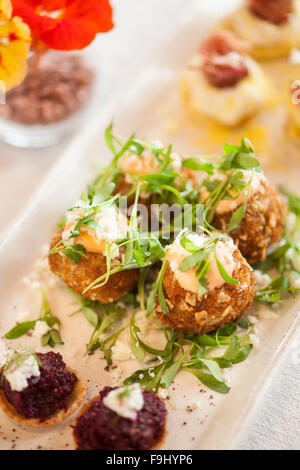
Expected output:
(15, 40)
(65, 24)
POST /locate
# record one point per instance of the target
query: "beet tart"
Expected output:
(38, 389)
(125, 418)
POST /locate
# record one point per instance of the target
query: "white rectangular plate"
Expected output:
(152, 109)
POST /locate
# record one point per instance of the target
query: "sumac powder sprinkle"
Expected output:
(47, 394)
(100, 428)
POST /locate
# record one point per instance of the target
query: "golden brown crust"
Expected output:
(75, 400)
(215, 309)
(80, 276)
(262, 225)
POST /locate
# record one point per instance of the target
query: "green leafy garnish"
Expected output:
(52, 337)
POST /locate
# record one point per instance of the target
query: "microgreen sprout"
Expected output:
(52, 337)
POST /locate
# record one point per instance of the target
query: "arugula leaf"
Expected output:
(191, 261)
(170, 373)
(227, 330)
(237, 216)
(75, 252)
(109, 137)
(233, 350)
(243, 354)
(210, 381)
(228, 279)
(214, 369)
(137, 350)
(156, 248)
(20, 329)
(246, 162)
(196, 164)
(243, 322)
(206, 340)
(52, 337)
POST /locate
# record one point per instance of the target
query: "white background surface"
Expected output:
(118, 54)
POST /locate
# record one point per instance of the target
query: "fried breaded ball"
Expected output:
(262, 225)
(215, 309)
(80, 276)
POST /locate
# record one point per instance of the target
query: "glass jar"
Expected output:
(51, 102)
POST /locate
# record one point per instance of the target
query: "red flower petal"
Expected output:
(75, 28)
(70, 34)
(26, 9)
(98, 12)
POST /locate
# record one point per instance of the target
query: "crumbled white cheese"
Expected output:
(116, 375)
(294, 281)
(176, 161)
(196, 405)
(254, 340)
(252, 319)
(293, 256)
(3, 353)
(31, 283)
(261, 280)
(40, 329)
(17, 375)
(112, 225)
(121, 351)
(125, 401)
(41, 266)
(163, 393)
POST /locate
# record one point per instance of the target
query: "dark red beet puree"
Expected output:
(100, 428)
(45, 395)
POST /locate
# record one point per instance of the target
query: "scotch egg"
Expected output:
(111, 227)
(218, 302)
(263, 220)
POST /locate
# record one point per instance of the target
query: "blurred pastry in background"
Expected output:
(294, 110)
(223, 82)
(272, 27)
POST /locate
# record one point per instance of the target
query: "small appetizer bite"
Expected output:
(206, 283)
(126, 418)
(38, 389)
(272, 27)
(223, 82)
(87, 248)
(244, 204)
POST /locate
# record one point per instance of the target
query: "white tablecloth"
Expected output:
(277, 424)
